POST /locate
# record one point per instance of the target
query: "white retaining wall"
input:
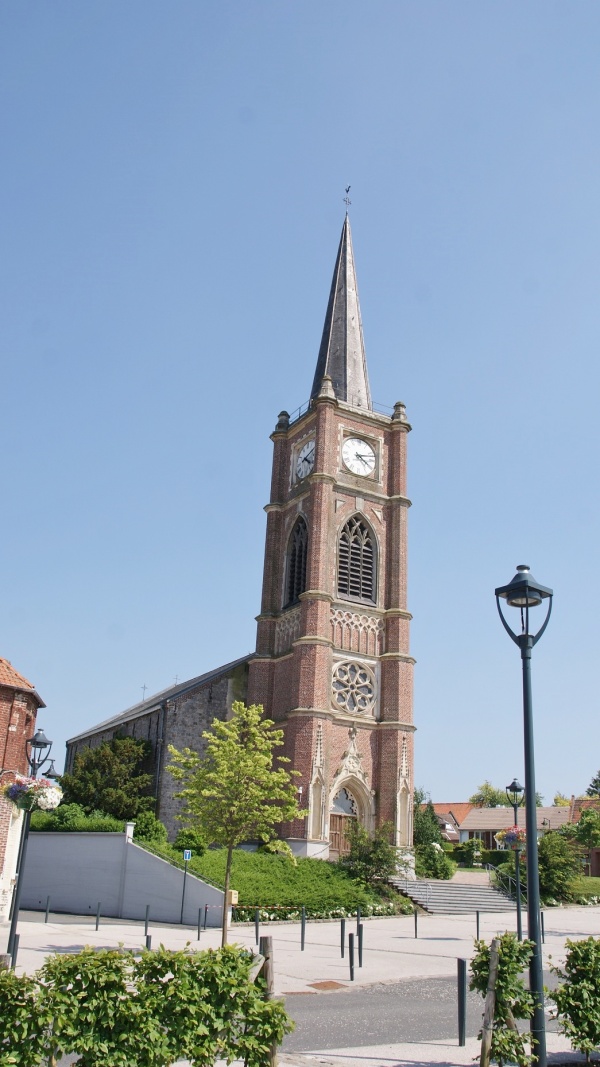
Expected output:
(79, 870)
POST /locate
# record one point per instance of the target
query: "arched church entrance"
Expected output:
(343, 812)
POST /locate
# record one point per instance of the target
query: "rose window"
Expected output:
(353, 689)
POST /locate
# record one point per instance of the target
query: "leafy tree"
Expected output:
(372, 859)
(559, 862)
(561, 801)
(149, 828)
(587, 830)
(593, 789)
(487, 796)
(235, 793)
(111, 778)
(432, 862)
(426, 828)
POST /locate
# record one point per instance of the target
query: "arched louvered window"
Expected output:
(296, 564)
(356, 562)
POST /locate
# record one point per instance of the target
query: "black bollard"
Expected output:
(360, 944)
(47, 909)
(416, 922)
(148, 941)
(343, 936)
(357, 918)
(15, 950)
(98, 915)
(461, 981)
(257, 926)
(477, 925)
(199, 923)
(147, 920)
(303, 929)
(351, 955)
(205, 914)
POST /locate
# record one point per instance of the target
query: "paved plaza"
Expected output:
(392, 954)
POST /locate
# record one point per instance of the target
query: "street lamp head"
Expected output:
(523, 591)
(52, 773)
(514, 791)
(39, 742)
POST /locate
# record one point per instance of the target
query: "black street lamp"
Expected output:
(514, 792)
(37, 749)
(523, 593)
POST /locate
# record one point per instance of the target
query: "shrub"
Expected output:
(372, 858)
(149, 828)
(577, 1000)
(192, 839)
(432, 862)
(513, 1000)
(71, 818)
(25, 1027)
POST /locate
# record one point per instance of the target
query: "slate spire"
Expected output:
(342, 351)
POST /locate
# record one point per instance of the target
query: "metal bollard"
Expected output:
(477, 925)
(351, 955)
(205, 914)
(15, 950)
(461, 981)
(257, 926)
(47, 909)
(199, 923)
(416, 922)
(98, 915)
(357, 918)
(147, 920)
(360, 944)
(543, 929)
(148, 941)
(343, 936)
(303, 929)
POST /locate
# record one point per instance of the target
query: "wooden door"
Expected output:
(338, 840)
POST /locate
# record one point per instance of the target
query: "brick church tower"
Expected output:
(332, 663)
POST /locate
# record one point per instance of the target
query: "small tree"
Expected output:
(235, 793)
(372, 859)
(561, 801)
(113, 777)
(426, 828)
(587, 830)
(559, 862)
(487, 796)
(593, 789)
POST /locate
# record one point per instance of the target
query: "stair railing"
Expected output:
(505, 882)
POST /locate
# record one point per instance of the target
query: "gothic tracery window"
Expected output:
(356, 561)
(296, 563)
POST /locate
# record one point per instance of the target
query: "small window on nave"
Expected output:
(356, 562)
(296, 562)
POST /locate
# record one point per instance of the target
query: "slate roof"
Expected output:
(155, 701)
(13, 680)
(500, 818)
(342, 351)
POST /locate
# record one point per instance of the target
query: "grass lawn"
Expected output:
(587, 887)
(280, 888)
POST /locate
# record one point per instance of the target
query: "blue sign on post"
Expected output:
(187, 855)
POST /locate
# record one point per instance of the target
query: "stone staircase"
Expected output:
(452, 898)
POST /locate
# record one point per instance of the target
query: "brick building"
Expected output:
(19, 705)
(332, 664)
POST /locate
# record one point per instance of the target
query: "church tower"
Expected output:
(332, 664)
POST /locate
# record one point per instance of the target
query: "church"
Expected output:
(332, 665)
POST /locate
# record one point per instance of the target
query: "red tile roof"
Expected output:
(13, 680)
(460, 809)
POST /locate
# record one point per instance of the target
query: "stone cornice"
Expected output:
(406, 727)
(314, 640)
(315, 594)
(398, 613)
(400, 656)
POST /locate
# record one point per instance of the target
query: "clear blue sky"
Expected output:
(171, 191)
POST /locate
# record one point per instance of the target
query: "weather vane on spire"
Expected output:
(347, 199)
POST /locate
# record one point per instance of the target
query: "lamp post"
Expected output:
(523, 593)
(37, 749)
(514, 792)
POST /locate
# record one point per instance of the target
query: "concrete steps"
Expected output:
(452, 898)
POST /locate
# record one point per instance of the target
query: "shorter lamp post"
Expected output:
(37, 749)
(514, 792)
(524, 593)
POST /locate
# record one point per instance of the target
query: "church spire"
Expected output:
(342, 351)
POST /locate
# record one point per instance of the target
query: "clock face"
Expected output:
(306, 459)
(358, 456)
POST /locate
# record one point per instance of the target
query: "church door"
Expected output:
(343, 812)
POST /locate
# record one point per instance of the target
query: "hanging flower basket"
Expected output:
(513, 837)
(29, 793)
